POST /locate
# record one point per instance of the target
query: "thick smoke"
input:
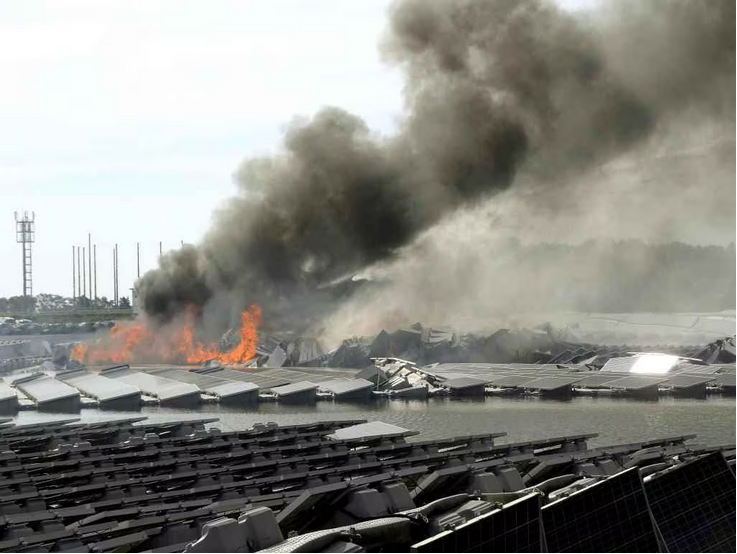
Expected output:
(507, 101)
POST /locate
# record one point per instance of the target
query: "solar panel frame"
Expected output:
(299, 514)
(694, 505)
(516, 527)
(609, 516)
(441, 482)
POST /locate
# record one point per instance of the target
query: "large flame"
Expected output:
(136, 342)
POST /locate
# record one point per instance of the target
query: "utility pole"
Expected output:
(117, 282)
(95, 257)
(115, 279)
(84, 274)
(79, 273)
(74, 277)
(160, 250)
(138, 260)
(89, 261)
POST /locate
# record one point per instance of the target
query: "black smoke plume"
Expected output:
(492, 88)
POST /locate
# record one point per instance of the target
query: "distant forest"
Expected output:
(53, 302)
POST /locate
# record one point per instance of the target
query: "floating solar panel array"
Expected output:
(132, 485)
(227, 391)
(168, 391)
(648, 375)
(127, 388)
(110, 393)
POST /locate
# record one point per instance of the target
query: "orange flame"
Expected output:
(135, 342)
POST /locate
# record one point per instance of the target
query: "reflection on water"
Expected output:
(616, 420)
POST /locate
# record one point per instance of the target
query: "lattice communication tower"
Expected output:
(25, 234)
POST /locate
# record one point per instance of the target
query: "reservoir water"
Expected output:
(615, 420)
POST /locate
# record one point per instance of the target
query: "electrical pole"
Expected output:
(74, 277)
(138, 260)
(95, 265)
(79, 273)
(89, 261)
(117, 282)
(84, 274)
(115, 279)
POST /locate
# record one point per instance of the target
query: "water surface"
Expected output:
(616, 420)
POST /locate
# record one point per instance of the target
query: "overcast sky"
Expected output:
(127, 119)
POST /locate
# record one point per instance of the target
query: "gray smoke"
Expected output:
(497, 94)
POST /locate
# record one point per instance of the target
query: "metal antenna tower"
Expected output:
(25, 234)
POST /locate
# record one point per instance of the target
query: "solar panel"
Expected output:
(294, 388)
(514, 528)
(316, 375)
(369, 430)
(6, 392)
(724, 380)
(512, 380)
(551, 382)
(47, 389)
(597, 379)
(161, 387)
(619, 365)
(464, 382)
(635, 382)
(682, 381)
(694, 505)
(346, 386)
(609, 516)
(263, 381)
(98, 386)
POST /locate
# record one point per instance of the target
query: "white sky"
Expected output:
(127, 119)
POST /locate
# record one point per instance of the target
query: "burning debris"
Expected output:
(176, 343)
(424, 345)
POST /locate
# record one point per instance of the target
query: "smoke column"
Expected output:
(507, 101)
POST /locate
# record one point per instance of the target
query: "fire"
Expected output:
(131, 342)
